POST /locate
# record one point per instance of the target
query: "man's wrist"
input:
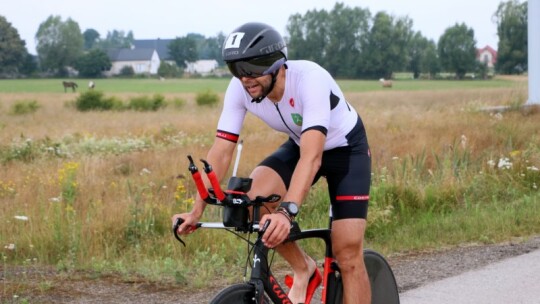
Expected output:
(290, 208)
(285, 213)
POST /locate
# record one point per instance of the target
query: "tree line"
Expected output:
(350, 42)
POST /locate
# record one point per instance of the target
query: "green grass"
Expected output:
(116, 85)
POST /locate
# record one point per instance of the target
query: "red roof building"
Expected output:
(487, 55)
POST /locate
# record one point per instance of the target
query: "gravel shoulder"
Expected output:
(411, 271)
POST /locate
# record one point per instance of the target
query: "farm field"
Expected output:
(93, 191)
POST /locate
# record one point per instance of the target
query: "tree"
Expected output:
(91, 38)
(334, 39)
(12, 49)
(429, 63)
(116, 39)
(387, 46)
(347, 29)
(512, 54)
(29, 65)
(93, 63)
(59, 44)
(422, 55)
(308, 36)
(457, 50)
(210, 48)
(183, 50)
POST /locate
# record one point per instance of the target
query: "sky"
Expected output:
(168, 19)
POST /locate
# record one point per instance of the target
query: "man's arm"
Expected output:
(311, 150)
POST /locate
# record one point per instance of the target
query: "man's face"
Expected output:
(256, 87)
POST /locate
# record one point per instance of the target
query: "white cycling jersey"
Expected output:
(312, 99)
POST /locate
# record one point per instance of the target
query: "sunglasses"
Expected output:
(257, 67)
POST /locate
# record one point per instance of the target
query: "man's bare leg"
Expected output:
(265, 182)
(347, 242)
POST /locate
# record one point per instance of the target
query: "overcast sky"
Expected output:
(176, 18)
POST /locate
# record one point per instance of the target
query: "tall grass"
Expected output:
(95, 190)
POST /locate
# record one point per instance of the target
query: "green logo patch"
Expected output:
(297, 118)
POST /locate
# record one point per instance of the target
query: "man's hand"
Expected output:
(277, 231)
(190, 220)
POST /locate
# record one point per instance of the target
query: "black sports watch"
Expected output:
(289, 207)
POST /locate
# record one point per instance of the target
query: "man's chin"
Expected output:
(254, 95)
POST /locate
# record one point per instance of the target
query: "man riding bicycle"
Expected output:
(326, 138)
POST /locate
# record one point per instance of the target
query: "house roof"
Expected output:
(130, 54)
(160, 45)
(489, 49)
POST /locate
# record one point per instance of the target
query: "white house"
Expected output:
(201, 67)
(143, 61)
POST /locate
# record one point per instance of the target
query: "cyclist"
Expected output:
(326, 138)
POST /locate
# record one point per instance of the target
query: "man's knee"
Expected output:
(347, 242)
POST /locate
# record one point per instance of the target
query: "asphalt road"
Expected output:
(513, 280)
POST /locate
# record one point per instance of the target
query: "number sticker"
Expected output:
(234, 39)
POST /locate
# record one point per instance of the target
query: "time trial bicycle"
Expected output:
(241, 216)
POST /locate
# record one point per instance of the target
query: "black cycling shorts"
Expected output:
(347, 171)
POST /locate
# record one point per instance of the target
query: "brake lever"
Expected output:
(177, 224)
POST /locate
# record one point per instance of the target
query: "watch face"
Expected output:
(293, 208)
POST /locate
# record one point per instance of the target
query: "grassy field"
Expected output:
(95, 190)
(151, 86)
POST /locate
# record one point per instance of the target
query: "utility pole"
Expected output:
(533, 28)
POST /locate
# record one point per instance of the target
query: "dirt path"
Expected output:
(411, 271)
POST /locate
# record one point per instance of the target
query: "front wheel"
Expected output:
(238, 294)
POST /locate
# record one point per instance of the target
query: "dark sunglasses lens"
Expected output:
(257, 67)
(245, 69)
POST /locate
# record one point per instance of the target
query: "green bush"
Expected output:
(145, 103)
(127, 71)
(24, 107)
(93, 100)
(169, 70)
(113, 103)
(208, 98)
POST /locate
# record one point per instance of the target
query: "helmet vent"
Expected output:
(256, 41)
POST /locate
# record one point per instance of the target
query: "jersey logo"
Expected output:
(291, 102)
(297, 118)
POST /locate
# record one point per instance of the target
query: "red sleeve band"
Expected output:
(227, 136)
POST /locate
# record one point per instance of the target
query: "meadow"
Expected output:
(94, 191)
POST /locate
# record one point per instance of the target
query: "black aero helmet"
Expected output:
(253, 50)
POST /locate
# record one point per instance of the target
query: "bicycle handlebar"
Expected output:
(179, 221)
(233, 199)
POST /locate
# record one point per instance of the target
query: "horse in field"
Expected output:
(69, 84)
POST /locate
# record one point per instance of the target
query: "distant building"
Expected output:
(201, 67)
(143, 61)
(160, 45)
(487, 55)
(145, 56)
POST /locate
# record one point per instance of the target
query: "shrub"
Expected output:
(207, 98)
(92, 100)
(169, 70)
(145, 103)
(24, 107)
(127, 71)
